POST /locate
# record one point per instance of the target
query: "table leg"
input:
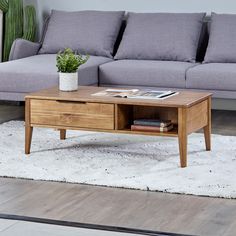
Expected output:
(62, 134)
(28, 128)
(182, 136)
(28, 138)
(207, 129)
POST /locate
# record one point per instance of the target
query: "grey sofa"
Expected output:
(117, 59)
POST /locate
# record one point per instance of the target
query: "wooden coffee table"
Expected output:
(51, 108)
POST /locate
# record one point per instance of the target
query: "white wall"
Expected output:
(142, 5)
(220, 6)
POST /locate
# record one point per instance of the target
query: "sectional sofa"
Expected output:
(151, 50)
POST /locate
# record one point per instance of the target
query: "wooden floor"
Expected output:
(128, 208)
(23, 228)
(119, 207)
(8, 113)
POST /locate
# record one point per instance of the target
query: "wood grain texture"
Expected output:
(207, 128)
(124, 116)
(183, 99)
(172, 133)
(197, 117)
(62, 134)
(84, 115)
(183, 136)
(155, 112)
(80, 110)
(28, 127)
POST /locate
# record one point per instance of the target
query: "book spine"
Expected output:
(151, 123)
(151, 128)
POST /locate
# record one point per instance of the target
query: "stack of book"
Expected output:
(152, 125)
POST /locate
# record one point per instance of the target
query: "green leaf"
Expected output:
(69, 62)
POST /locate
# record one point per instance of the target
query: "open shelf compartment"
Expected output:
(126, 114)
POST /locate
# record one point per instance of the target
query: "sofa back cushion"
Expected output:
(161, 36)
(222, 41)
(88, 32)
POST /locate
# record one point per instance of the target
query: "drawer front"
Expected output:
(72, 114)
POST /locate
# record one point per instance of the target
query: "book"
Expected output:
(135, 93)
(151, 128)
(152, 122)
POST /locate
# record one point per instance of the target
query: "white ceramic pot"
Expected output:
(68, 81)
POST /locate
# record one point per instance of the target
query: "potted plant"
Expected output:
(68, 64)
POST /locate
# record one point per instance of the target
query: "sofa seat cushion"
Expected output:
(213, 76)
(39, 72)
(144, 73)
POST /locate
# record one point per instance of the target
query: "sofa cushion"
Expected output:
(88, 32)
(161, 36)
(213, 76)
(39, 72)
(222, 41)
(144, 73)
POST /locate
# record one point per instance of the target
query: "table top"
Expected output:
(84, 94)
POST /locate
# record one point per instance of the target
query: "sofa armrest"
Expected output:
(22, 48)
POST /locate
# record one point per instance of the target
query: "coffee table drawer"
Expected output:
(72, 114)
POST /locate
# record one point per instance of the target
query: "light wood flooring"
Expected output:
(22, 228)
(120, 207)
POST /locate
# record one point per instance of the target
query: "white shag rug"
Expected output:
(136, 162)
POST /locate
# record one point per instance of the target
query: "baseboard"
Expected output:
(224, 104)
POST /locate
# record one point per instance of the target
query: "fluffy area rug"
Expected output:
(135, 162)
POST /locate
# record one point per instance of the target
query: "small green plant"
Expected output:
(69, 62)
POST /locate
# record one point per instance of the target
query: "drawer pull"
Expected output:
(77, 102)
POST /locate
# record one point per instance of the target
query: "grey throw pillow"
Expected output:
(161, 36)
(88, 32)
(222, 41)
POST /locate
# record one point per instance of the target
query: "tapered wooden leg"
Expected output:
(28, 138)
(207, 134)
(182, 135)
(62, 134)
(28, 128)
(183, 150)
(207, 129)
